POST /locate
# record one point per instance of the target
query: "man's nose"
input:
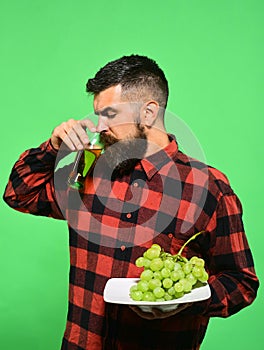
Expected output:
(101, 125)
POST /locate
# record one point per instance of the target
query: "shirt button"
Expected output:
(135, 184)
(123, 247)
(128, 215)
(170, 235)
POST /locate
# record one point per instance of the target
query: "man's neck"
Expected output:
(156, 141)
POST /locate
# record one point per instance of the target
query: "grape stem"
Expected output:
(189, 240)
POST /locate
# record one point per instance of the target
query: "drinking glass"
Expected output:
(85, 161)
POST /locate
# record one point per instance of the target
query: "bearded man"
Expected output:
(142, 190)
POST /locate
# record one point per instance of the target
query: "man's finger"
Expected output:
(81, 133)
(66, 139)
(88, 123)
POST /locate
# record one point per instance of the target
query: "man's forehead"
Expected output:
(107, 98)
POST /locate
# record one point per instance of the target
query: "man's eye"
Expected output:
(112, 115)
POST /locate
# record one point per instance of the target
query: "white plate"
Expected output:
(117, 291)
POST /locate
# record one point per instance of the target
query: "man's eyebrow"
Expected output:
(105, 111)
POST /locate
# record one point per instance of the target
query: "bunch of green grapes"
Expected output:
(166, 276)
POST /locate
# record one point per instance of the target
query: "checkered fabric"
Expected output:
(166, 199)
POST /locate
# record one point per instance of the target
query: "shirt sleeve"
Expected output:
(30, 188)
(232, 280)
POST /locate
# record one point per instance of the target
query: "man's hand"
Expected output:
(158, 314)
(72, 133)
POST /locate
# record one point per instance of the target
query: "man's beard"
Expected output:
(124, 154)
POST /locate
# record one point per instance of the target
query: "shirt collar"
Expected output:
(153, 163)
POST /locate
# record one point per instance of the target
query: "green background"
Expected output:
(212, 53)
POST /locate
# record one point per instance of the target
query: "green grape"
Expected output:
(153, 283)
(187, 286)
(178, 287)
(146, 263)
(197, 271)
(152, 253)
(167, 283)
(140, 261)
(187, 268)
(159, 292)
(136, 295)
(204, 277)
(156, 246)
(156, 264)
(169, 264)
(174, 276)
(178, 295)
(148, 296)
(165, 272)
(160, 300)
(199, 262)
(146, 275)
(157, 275)
(193, 259)
(145, 254)
(143, 286)
(134, 288)
(190, 277)
(177, 266)
(167, 296)
(177, 275)
(171, 291)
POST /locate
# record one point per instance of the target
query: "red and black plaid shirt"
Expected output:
(167, 198)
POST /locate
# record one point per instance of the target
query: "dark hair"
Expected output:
(139, 76)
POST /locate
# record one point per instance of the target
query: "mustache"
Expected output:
(107, 139)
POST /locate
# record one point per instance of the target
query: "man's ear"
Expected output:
(149, 113)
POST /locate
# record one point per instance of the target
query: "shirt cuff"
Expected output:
(51, 149)
(197, 308)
